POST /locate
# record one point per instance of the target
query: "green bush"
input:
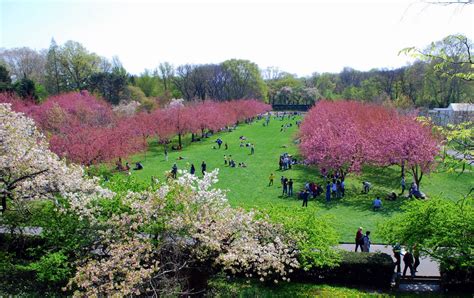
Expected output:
(52, 268)
(456, 278)
(101, 171)
(239, 287)
(315, 236)
(6, 263)
(370, 269)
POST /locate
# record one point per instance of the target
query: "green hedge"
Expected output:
(454, 278)
(370, 269)
(220, 286)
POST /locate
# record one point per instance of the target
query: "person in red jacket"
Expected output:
(359, 239)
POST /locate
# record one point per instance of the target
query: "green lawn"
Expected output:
(248, 187)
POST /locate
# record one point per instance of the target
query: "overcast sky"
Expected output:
(300, 37)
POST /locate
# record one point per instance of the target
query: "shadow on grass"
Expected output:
(354, 199)
(387, 176)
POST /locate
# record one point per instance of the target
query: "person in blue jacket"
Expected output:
(328, 192)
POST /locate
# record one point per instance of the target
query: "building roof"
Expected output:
(456, 107)
(462, 107)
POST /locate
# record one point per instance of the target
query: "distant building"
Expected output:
(455, 113)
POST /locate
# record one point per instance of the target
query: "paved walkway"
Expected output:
(29, 231)
(427, 266)
(458, 155)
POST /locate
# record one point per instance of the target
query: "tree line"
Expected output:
(86, 130)
(441, 74)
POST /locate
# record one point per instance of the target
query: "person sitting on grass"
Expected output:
(138, 166)
(377, 204)
(366, 186)
(415, 192)
(319, 190)
(119, 166)
(392, 196)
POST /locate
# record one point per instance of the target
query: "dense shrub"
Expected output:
(219, 286)
(52, 268)
(370, 269)
(455, 278)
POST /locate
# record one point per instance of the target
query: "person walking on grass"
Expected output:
(271, 178)
(225, 146)
(305, 198)
(192, 170)
(285, 186)
(174, 171)
(366, 239)
(166, 154)
(343, 187)
(290, 188)
(359, 241)
(403, 184)
(225, 159)
(252, 149)
(338, 189)
(203, 168)
(328, 191)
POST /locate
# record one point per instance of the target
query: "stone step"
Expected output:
(420, 279)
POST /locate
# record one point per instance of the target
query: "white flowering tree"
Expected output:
(182, 225)
(29, 170)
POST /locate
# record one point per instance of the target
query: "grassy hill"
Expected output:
(248, 187)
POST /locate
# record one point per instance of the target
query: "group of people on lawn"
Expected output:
(121, 168)
(228, 160)
(286, 161)
(335, 187)
(192, 170)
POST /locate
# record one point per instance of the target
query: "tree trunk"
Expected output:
(417, 175)
(179, 141)
(403, 169)
(193, 137)
(4, 203)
